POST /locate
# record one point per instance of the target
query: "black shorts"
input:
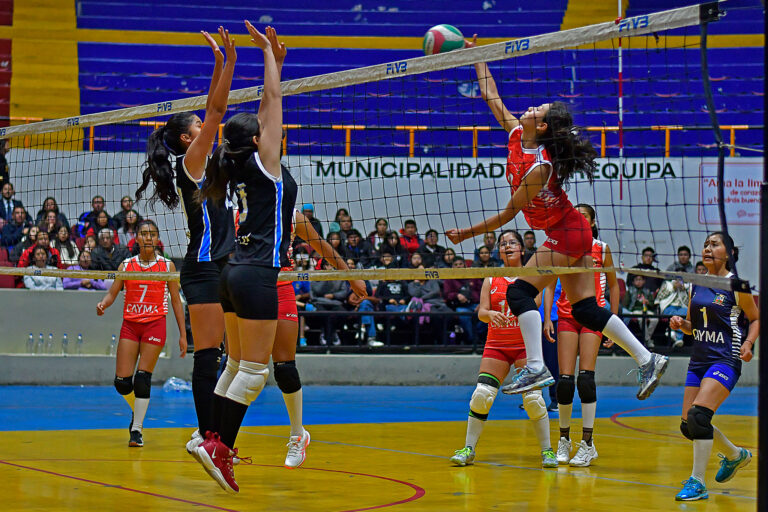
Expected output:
(250, 291)
(200, 280)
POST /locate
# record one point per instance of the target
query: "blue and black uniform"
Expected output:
(211, 234)
(266, 204)
(719, 326)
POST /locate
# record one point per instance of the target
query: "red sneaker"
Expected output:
(216, 458)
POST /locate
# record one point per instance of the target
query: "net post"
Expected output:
(90, 138)
(733, 141)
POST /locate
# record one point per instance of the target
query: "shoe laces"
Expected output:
(294, 445)
(463, 451)
(639, 374)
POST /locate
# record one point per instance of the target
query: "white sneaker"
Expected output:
(195, 441)
(584, 455)
(297, 450)
(563, 450)
(373, 342)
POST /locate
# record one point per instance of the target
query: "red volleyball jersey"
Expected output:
(503, 337)
(551, 204)
(292, 265)
(145, 301)
(598, 258)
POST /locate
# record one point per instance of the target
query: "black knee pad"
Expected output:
(206, 364)
(142, 384)
(590, 315)
(287, 377)
(123, 385)
(700, 422)
(566, 386)
(684, 429)
(520, 297)
(585, 383)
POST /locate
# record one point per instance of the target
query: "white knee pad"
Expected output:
(230, 370)
(534, 404)
(482, 398)
(248, 383)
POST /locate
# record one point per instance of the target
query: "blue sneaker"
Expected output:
(728, 467)
(526, 380)
(650, 373)
(692, 490)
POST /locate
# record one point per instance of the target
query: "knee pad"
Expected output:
(248, 383)
(124, 385)
(287, 377)
(227, 376)
(534, 404)
(684, 429)
(520, 297)
(700, 422)
(142, 384)
(206, 364)
(566, 387)
(483, 396)
(585, 383)
(590, 315)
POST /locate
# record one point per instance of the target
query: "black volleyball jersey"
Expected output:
(265, 209)
(210, 227)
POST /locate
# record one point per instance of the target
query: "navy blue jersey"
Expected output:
(210, 227)
(265, 205)
(719, 326)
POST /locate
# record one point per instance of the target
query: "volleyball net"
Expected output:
(412, 139)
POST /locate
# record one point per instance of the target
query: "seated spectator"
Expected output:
(409, 237)
(102, 221)
(15, 228)
(108, 256)
(358, 250)
(4, 169)
(430, 252)
(334, 239)
(126, 206)
(8, 203)
(489, 242)
(329, 296)
(484, 258)
(392, 295)
(127, 231)
(648, 258)
(415, 262)
(529, 240)
(345, 226)
(463, 295)
(90, 243)
(54, 257)
(386, 260)
(336, 225)
(367, 327)
(87, 219)
(376, 238)
(40, 257)
(639, 299)
(50, 205)
(26, 242)
(301, 260)
(449, 256)
(399, 254)
(428, 290)
(309, 212)
(673, 300)
(683, 263)
(51, 224)
(70, 255)
(78, 283)
(701, 268)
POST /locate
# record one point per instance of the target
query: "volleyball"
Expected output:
(442, 38)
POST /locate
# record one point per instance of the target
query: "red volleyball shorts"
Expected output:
(508, 354)
(571, 236)
(286, 302)
(566, 324)
(144, 332)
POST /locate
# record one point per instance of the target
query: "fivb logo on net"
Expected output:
(518, 45)
(633, 23)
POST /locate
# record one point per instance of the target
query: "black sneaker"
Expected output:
(137, 441)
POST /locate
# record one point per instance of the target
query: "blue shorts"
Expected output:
(722, 373)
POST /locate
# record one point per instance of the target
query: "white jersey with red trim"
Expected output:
(551, 204)
(599, 249)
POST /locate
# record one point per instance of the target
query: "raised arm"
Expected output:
(271, 108)
(279, 50)
(490, 93)
(216, 106)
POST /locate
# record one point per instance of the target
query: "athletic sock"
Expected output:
(723, 445)
(565, 432)
(564, 412)
(702, 449)
(530, 327)
(131, 399)
(139, 412)
(588, 421)
(623, 337)
(204, 380)
(586, 435)
(474, 429)
(232, 415)
(293, 403)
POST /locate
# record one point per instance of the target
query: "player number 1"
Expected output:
(704, 312)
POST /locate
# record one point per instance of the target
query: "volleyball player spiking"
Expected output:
(545, 150)
(725, 326)
(504, 349)
(176, 156)
(248, 162)
(142, 335)
(573, 339)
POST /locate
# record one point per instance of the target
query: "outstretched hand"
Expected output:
(278, 49)
(228, 43)
(257, 37)
(472, 43)
(214, 46)
(455, 235)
